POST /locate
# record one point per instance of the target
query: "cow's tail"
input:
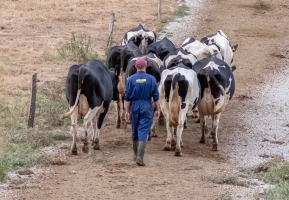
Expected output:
(80, 81)
(175, 107)
(68, 114)
(222, 108)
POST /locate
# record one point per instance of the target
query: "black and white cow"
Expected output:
(154, 67)
(89, 91)
(179, 56)
(220, 40)
(140, 36)
(161, 48)
(179, 92)
(200, 50)
(217, 87)
(126, 53)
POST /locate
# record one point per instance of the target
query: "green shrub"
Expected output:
(278, 174)
(281, 192)
(77, 49)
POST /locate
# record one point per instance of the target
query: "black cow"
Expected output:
(140, 36)
(179, 56)
(125, 53)
(161, 48)
(217, 87)
(89, 91)
(220, 40)
(113, 59)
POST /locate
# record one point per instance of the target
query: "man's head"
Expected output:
(141, 64)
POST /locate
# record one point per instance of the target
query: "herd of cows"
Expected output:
(198, 75)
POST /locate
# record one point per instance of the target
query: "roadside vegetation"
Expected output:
(181, 12)
(278, 175)
(274, 172)
(20, 145)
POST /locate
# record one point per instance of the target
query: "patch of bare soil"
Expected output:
(258, 110)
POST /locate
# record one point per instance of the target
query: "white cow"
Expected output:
(220, 40)
(199, 49)
(179, 91)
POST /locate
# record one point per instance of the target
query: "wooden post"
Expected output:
(33, 101)
(110, 31)
(160, 10)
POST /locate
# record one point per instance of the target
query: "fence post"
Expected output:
(33, 101)
(160, 10)
(110, 31)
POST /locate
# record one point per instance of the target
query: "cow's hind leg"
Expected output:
(178, 150)
(168, 144)
(73, 130)
(95, 138)
(214, 133)
(92, 113)
(161, 120)
(153, 130)
(123, 123)
(203, 126)
(95, 135)
(117, 108)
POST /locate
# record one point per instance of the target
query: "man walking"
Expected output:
(140, 89)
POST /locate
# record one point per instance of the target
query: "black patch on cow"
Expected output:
(178, 56)
(161, 48)
(197, 100)
(167, 85)
(136, 40)
(113, 58)
(183, 87)
(191, 40)
(129, 51)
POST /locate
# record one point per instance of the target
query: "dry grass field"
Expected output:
(253, 132)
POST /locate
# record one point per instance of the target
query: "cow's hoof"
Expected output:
(185, 126)
(96, 147)
(85, 148)
(198, 120)
(154, 135)
(167, 148)
(215, 147)
(117, 126)
(123, 125)
(202, 141)
(74, 152)
(149, 138)
(178, 153)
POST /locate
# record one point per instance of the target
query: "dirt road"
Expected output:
(252, 129)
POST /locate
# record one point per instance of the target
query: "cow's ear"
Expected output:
(234, 48)
(233, 68)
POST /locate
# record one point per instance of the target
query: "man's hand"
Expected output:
(127, 116)
(157, 114)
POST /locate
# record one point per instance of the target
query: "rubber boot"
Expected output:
(140, 153)
(134, 147)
